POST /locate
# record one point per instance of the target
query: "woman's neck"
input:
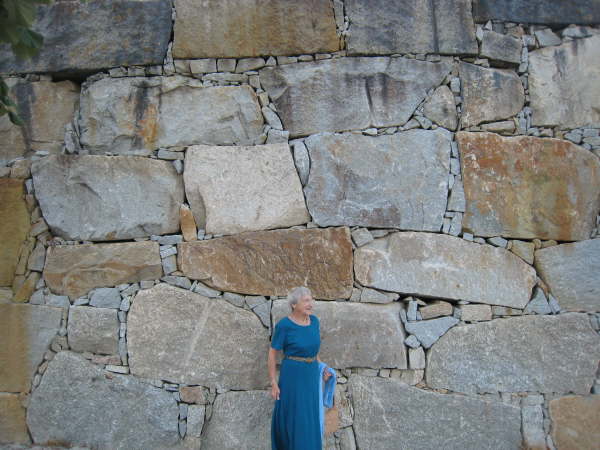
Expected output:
(300, 317)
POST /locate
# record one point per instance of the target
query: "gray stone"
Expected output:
(475, 313)
(429, 331)
(301, 160)
(533, 428)
(571, 272)
(361, 236)
(538, 304)
(489, 94)
(501, 47)
(385, 27)
(195, 420)
(372, 296)
(411, 314)
(263, 311)
(562, 85)
(37, 258)
(277, 136)
(349, 93)
(388, 181)
(203, 65)
(139, 115)
(61, 301)
(90, 36)
(78, 403)
(416, 357)
(246, 64)
(202, 289)
(498, 241)
(271, 118)
(182, 337)
(388, 414)
(440, 108)
(425, 264)
(240, 421)
(106, 298)
(529, 353)
(457, 202)
(112, 198)
(547, 38)
(348, 337)
(412, 341)
(537, 11)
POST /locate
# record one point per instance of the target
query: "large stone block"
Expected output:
(237, 189)
(94, 330)
(104, 198)
(576, 422)
(273, 262)
(14, 226)
(13, 429)
(240, 421)
(350, 93)
(529, 353)
(489, 95)
(234, 28)
(527, 187)
(25, 334)
(179, 336)
(89, 36)
(349, 337)
(139, 115)
(562, 83)
(571, 271)
(74, 270)
(538, 11)
(78, 403)
(383, 27)
(441, 266)
(389, 414)
(397, 181)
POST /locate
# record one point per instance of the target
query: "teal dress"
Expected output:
(295, 424)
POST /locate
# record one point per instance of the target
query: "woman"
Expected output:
(295, 424)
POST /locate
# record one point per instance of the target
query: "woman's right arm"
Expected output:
(271, 364)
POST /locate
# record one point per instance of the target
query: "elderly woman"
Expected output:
(296, 424)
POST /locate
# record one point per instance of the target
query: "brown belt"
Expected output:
(300, 358)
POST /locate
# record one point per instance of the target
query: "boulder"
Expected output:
(94, 330)
(13, 429)
(576, 421)
(14, 226)
(538, 11)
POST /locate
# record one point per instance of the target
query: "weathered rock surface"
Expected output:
(74, 270)
(240, 420)
(527, 187)
(530, 353)
(537, 11)
(138, 115)
(179, 336)
(429, 331)
(12, 141)
(349, 93)
(103, 198)
(440, 108)
(25, 334)
(89, 36)
(77, 403)
(428, 265)
(562, 83)
(388, 414)
(388, 181)
(348, 337)
(576, 421)
(273, 262)
(232, 29)
(501, 47)
(13, 429)
(94, 330)
(14, 226)
(384, 27)
(237, 189)
(571, 272)
(489, 95)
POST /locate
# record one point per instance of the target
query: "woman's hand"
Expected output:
(326, 375)
(275, 391)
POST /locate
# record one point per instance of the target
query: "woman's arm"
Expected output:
(271, 364)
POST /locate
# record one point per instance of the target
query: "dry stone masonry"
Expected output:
(428, 168)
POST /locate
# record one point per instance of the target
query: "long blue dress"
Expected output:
(295, 424)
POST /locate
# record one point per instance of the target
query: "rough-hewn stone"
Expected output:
(13, 429)
(25, 334)
(475, 313)
(389, 181)
(384, 27)
(94, 330)
(576, 421)
(240, 420)
(273, 262)
(138, 115)
(74, 270)
(88, 36)
(429, 331)
(501, 47)
(233, 29)
(14, 226)
(489, 95)
(176, 335)
(349, 93)
(237, 189)
(436, 309)
(527, 187)
(79, 403)
(348, 337)
(441, 109)
(389, 414)
(104, 198)
(530, 353)
(571, 271)
(428, 264)
(538, 11)
(562, 83)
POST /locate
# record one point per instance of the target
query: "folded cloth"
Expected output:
(326, 392)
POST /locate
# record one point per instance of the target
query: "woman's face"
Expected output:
(304, 305)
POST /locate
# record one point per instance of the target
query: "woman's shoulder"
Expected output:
(283, 322)
(315, 318)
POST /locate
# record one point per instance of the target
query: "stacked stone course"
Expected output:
(430, 169)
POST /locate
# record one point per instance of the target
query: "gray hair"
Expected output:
(296, 294)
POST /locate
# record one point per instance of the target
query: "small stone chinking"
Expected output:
(436, 190)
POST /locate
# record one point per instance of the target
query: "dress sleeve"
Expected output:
(278, 340)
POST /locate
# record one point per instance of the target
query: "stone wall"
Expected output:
(430, 169)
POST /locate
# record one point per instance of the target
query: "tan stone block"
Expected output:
(26, 250)
(437, 309)
(576, 422)
(14, 226)
(523, 250)
(476, 313)
(188, 224)
(193, 394)
(13, 429)
(332, 420)
(23, 294)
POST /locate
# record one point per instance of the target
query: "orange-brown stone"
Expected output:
(576, 422)
(528, 187)
(13, 429)
(332, 420)
(273, 262)
(187, 223)
(14, 226)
